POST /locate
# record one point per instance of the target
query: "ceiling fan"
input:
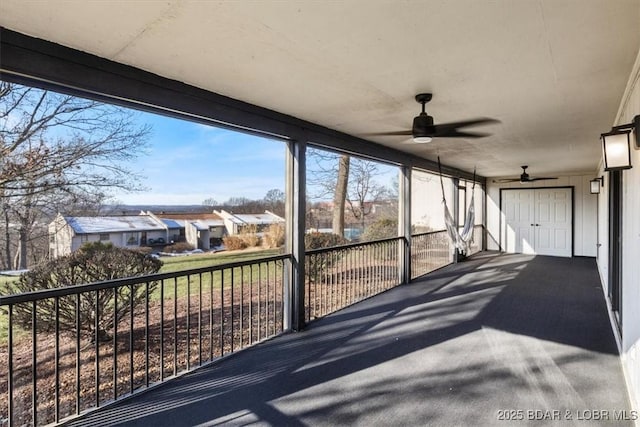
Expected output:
(524, 177)
(424, 130)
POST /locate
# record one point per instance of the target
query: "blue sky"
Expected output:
(189, 162)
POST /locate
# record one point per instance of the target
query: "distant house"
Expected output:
(68, 233)
(237, 223)
(202, 231)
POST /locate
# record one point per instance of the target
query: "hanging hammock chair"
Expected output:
(461, 240)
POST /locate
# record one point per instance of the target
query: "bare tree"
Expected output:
(57, 147)
(363, 191)
(350, 182)
(274, 201)
(328, 178)
(340, 194)
(210, 202)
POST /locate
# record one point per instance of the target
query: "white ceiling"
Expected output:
(552, 71)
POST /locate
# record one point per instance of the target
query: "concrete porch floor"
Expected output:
(496, 340)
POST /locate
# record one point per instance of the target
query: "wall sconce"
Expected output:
(616, 145)
(595, 184)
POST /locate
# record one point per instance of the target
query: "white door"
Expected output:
(538, 221)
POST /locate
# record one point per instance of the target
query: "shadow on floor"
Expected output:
(457, 347)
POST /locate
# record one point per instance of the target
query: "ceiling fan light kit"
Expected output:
(422, 139)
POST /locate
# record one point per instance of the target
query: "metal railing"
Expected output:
(430, 251)
(478, 239)
(433, 250)
(72, 349)
(339, 276)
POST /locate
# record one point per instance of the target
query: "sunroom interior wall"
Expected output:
(629, 108)
(584, 211)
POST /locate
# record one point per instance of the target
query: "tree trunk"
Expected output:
(7, 237)
(24, 248)
(340, 195)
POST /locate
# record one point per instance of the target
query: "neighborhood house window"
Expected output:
(84, 238)
(104, 237)
(52, 238)
(131, 239)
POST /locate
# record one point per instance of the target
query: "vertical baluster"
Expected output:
(260, 300)
(266, 303)
(232, 309)
(222, 312)
(146, 334)
(97, 348)
(175, 326)
(275, 283)
(115, 344)
(162, 330)
(77, 313)
(251, 302)
(199, 319)
(10, 415)
(188, 322)
(211, 315)
(56, 309)
(241, 306)
(34, 363)
(276, 287)
(131, 290)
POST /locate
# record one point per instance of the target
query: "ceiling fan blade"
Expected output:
(465, 123)
(456, 134)
(397, 133)
(506, 180)
(542, 178)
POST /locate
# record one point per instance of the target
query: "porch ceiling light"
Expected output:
(595, 184)
(616, 145)
(422, 139)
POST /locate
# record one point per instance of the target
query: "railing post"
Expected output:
(294, 292)
(456, 213)
(404, 223)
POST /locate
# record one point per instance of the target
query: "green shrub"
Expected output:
(93, 262)
(382, 228)
(323, 240)
(318, 265)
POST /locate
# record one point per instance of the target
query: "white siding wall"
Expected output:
(584, 210)
(629, 107)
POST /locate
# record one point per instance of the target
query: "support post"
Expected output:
(404, 223)
(456, 213)
(295, 228)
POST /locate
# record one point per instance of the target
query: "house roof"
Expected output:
(172, 223)
(188, 216)
(113, 224)
(205, 224)
(265, 218)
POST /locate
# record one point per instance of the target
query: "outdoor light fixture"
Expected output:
(616, 145)
(595, 185)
